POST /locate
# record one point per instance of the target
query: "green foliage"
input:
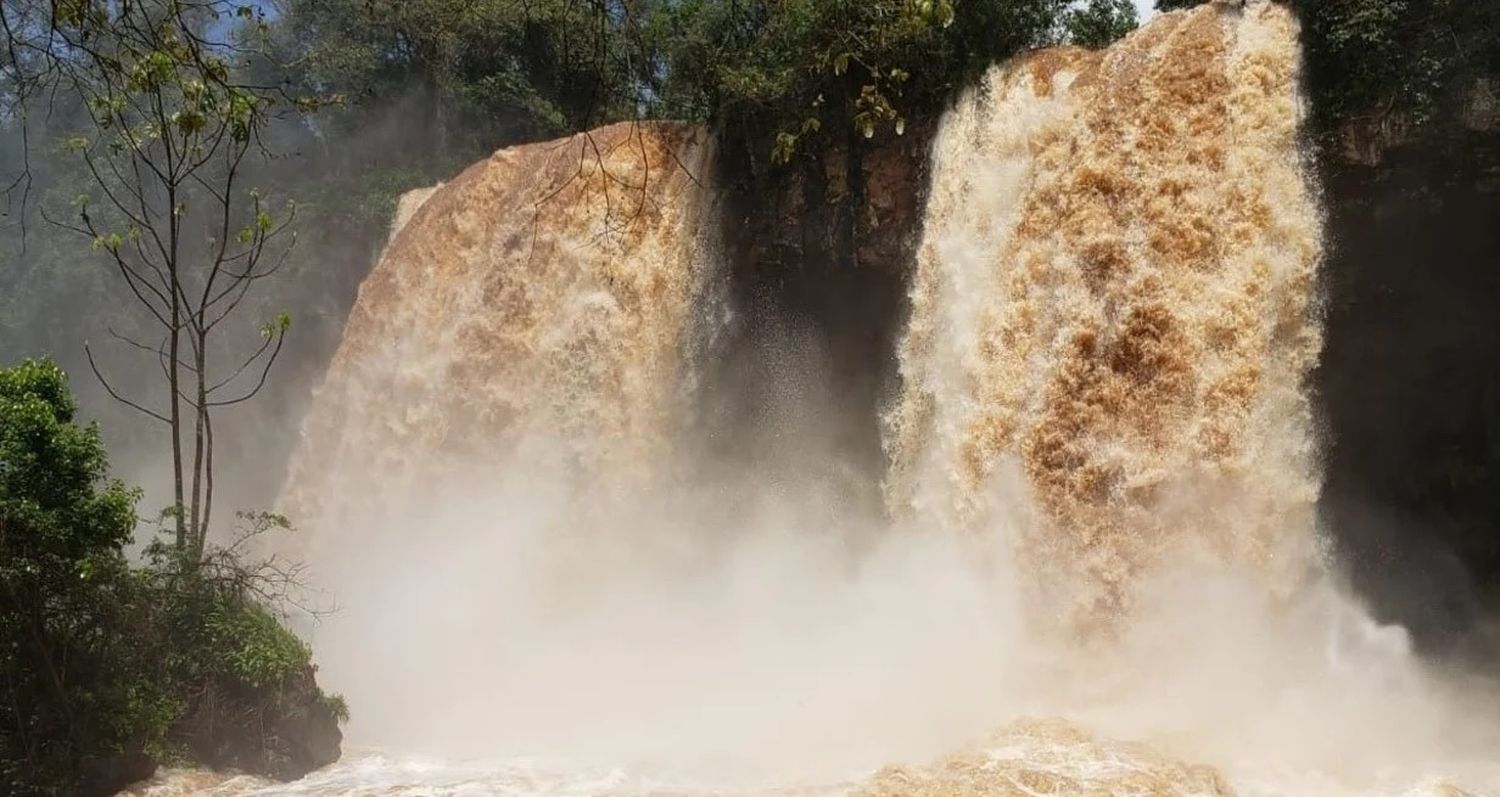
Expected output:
(793, 72)
(476, 73)
(75, 691)
(335, 705)
(253, 646)
(1100, 22)
(101, 662)
(168, 132)
(1413, 62)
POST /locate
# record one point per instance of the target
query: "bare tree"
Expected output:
(173, 131)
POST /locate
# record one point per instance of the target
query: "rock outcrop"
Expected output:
(1409, 384)
(280, 734)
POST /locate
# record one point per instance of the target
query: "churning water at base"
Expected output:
(1097, 571)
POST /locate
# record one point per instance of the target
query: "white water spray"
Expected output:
(1099, 574)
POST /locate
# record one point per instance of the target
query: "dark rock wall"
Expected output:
(1409, 385)
(817, 254)
(281, 733)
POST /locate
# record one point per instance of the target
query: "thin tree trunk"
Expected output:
(208, 472)
(173, 382)
(198, 529)
(174, 228)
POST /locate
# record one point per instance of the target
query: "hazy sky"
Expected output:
(1143, 7)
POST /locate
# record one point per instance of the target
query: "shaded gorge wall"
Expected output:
(1409, 383)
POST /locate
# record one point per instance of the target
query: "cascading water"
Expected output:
(546, 293)
(1113, 300)
(1099, 536)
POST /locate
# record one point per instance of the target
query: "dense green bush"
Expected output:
(1100, 23)
(469, 74)
(796, 71)
(1412, 62)
(80, 692)
(107, 668)
(478, 74)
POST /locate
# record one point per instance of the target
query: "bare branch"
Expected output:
(261, 382)
(264, 344)
(115, 395)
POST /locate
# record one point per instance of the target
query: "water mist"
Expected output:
(1095, 568)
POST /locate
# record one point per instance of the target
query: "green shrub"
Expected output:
(794, 72)
(1411, 61)
(81, 685)
(105, 668)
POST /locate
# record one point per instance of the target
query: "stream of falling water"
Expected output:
(1114, 300)
(1097, 572)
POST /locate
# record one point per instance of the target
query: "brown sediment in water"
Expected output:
(1111, 323)
(545, 291)
(1144, 317)
(1049, 757)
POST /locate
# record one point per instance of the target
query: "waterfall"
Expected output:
(1098, 533)
(1113, 313)
(536, 309)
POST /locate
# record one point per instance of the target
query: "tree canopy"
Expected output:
(483, 73)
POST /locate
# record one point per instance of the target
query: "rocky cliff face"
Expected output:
(817, 256)
(1410, 379)
(280, 734)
